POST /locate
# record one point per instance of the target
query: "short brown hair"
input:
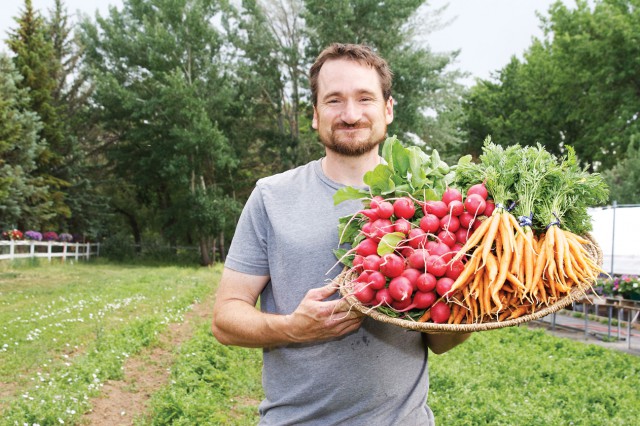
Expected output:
(362, 54)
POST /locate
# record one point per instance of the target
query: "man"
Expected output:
(324, 364)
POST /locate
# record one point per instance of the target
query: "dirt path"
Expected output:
(122, 401)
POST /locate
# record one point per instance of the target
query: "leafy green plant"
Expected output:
(69, 328)
(518, 376)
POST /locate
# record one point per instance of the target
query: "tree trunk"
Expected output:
(205, 260)
(223, 252)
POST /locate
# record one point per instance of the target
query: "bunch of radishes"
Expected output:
(402, 254)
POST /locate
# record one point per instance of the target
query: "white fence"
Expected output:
(10, 250)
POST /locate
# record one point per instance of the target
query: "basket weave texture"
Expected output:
(575, 294)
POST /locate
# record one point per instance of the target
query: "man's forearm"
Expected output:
(240, 324)
(442, 342)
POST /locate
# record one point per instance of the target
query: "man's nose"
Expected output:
(351, 113)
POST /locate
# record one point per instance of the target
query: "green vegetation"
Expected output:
(66, 328)
(210, 384)
(519, 376)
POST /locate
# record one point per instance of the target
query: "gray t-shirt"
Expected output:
(375, 376)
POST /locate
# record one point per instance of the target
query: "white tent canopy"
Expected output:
(617, 231)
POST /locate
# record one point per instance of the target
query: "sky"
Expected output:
(487, 32)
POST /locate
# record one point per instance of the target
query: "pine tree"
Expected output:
(35, 60)
(23, 196)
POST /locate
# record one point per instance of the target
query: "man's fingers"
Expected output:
(321, 293)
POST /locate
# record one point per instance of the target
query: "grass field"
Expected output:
(65, 329)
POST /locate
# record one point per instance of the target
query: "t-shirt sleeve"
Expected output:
(248, 250)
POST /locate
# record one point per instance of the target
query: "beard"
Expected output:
(353, 145)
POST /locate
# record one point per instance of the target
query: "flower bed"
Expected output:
(625, 286)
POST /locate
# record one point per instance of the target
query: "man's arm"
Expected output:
(237, 321)
(442, 342)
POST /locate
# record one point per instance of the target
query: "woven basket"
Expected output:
(577, 293)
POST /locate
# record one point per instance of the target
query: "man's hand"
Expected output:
(319, 319)
(237, 321)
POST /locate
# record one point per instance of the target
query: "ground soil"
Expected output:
(122, 401)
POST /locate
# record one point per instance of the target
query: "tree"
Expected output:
(35, 60)
(578, 86)
(624, 178)
(23, 195)
(162, 89)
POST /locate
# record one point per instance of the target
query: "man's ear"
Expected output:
(389, 110)
(314, 120)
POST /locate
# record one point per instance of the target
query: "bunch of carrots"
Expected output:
(529, 253)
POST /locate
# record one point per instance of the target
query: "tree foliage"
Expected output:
(578, 86)
(35, 60)
(23, 195)
(163, 89)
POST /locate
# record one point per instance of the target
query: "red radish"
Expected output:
(465, 219)
(367, 247)
(440, 312)
(406, 252)
(376, 280)
(418, 260)
(363, 292)
(443, 285)
(392, 265)
(381, 227)
(402, 306)
(404, 208)
(422, 300)
(432, 245)
(479, 189)
(400, 289)
(475, 225)
(491, 206)
(454, 269)
(383, 297)
(447, 237)
(438, 208)
(372, 262)
(436, 265)
(370, 214)
(451, 194)
(475, 204)
(450, 223)
(363, 277)
(384, 210)
(375, 201)
(417, 238)
(412, 275)
(426, 282)
(438, 248)
(456, 248)
(430, 223)
(456, 208)
(357, 263)
(367, 230)
(462, 235)
(402, 225)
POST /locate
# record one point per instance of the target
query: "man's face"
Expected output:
(351, 116)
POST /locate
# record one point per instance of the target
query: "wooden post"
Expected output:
(88, 251)
(64, 252)
(49, 251)
(11, 249)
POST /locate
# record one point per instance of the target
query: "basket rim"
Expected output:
(577, 293)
